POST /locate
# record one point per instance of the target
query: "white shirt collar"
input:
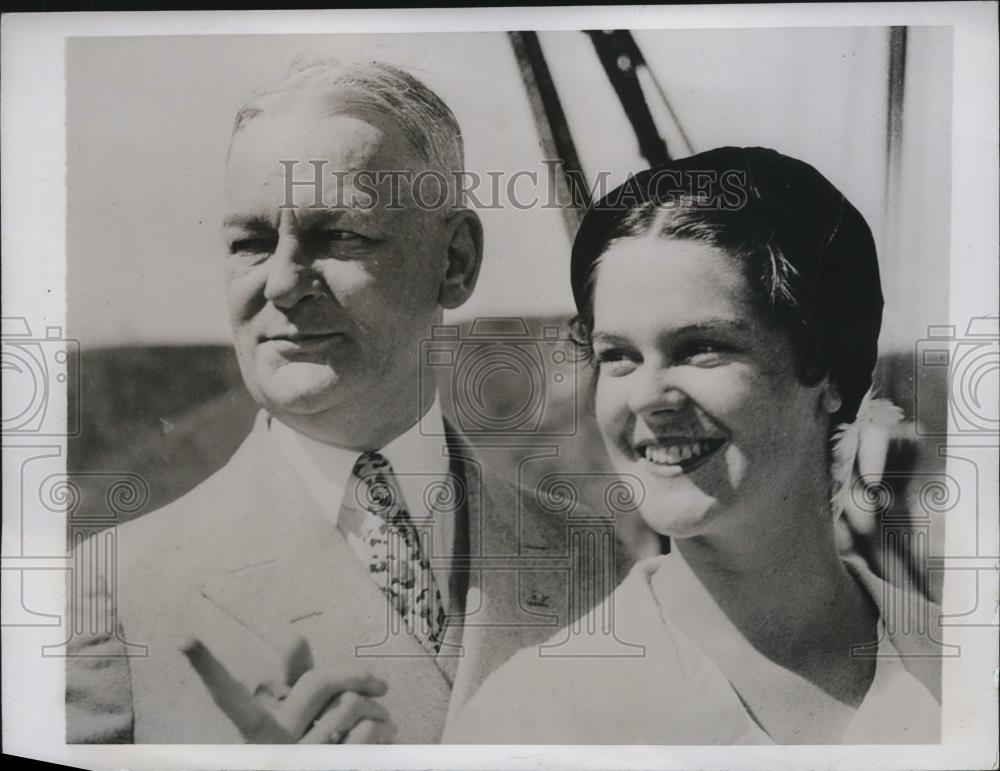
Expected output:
(418, 456)
(422, 448)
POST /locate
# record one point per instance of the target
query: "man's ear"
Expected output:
(465, 257)
(830, 399)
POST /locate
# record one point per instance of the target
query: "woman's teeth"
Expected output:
(675, 454)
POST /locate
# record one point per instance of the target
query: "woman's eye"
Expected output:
(614, 360)
(703, 352)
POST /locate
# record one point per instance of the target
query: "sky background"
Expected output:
(148, 123)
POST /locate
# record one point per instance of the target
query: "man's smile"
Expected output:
(305, 338)
(300, 334)
(299, 343)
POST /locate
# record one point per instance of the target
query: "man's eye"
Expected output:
(251, 246)
(339, 236)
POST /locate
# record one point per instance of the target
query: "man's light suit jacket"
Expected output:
(248, 554)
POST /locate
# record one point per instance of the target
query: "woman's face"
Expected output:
(696, 389)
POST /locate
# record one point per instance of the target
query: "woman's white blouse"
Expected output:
(650, 683)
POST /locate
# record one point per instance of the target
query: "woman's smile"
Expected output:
(670, 456)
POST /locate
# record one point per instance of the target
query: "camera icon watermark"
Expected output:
(970, 365)
(499, 378)
(33, 368)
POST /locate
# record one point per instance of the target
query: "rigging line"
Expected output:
(620, 57)
(895, 92)
(688, 147)
(553, 128)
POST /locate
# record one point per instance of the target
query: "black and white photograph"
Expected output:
(501, 383)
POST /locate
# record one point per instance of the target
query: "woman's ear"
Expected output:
(465, 257)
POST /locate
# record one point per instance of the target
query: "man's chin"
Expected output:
(303, 405)
(290, 393)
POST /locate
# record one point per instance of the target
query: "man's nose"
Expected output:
(658, 390)
(290, 274)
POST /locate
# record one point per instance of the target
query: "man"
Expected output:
(312, 590)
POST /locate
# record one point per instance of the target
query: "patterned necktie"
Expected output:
(393, 545)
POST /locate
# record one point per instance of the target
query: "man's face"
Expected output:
(328, 304)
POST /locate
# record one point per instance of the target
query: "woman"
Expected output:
(731, 304)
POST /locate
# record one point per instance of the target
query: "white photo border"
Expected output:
(34, 278)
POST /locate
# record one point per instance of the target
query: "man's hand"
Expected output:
(322, 707)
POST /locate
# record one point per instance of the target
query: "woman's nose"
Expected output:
(658, 391)
(290, 276)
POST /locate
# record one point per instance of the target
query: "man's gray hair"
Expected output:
(333, 87)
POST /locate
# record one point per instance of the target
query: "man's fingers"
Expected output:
(312, 692)
(350, 711)
(315, 689)
(305, 702)
(371, 732)
(347, 711)
(232, 697)
(296, 658)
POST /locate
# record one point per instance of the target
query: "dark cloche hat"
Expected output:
(791, 207)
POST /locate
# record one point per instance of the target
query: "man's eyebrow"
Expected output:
(307, 217)
(255, 222)
(323, 216)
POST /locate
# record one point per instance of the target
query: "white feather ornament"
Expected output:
(863, 443)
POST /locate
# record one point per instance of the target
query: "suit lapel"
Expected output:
(516, 586)
(525, 562)
(294, 572)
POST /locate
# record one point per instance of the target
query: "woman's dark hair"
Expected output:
(807, 253)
